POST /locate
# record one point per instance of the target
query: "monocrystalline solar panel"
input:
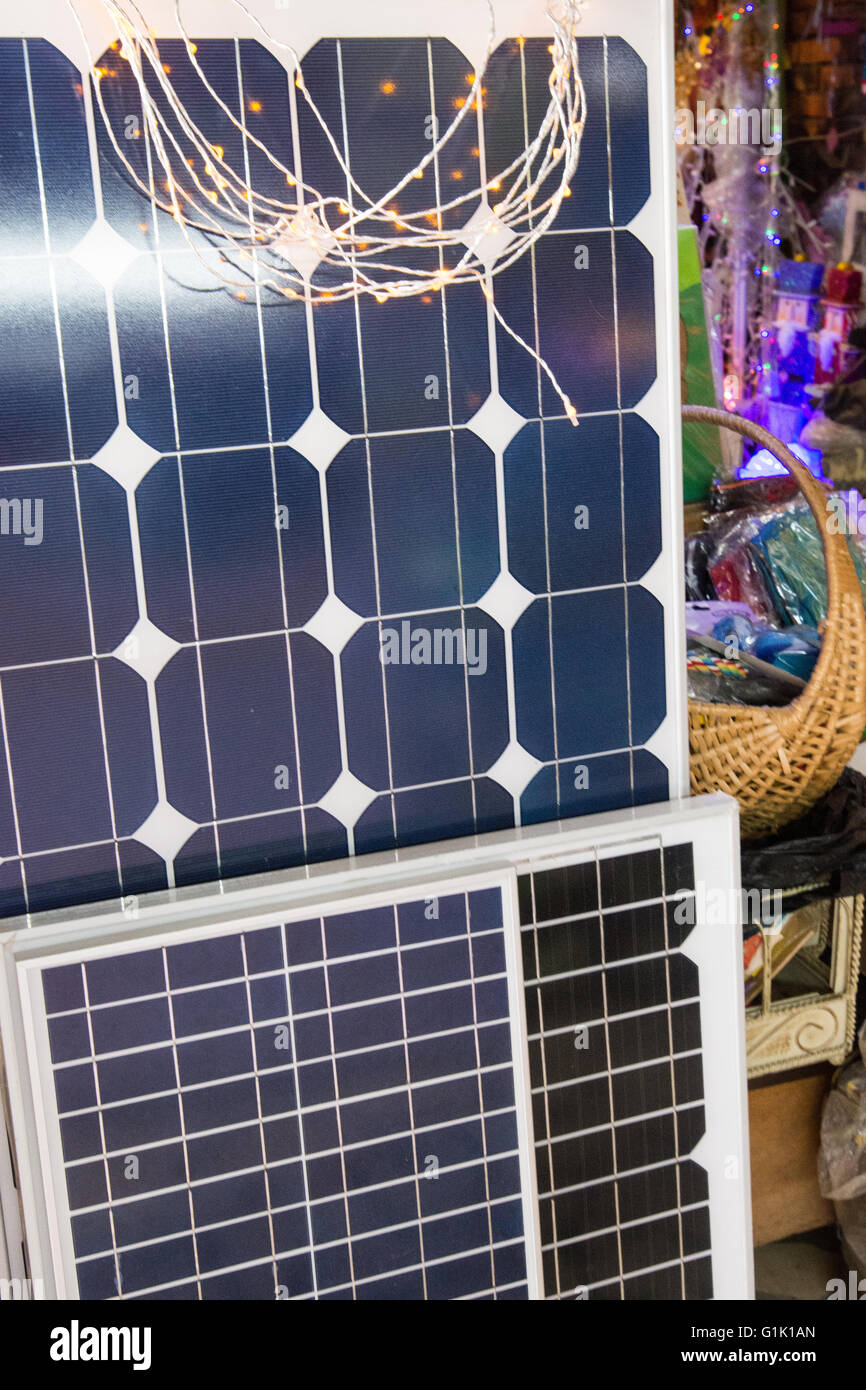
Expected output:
(614, 1019)
(511, 1070)
(206, 685)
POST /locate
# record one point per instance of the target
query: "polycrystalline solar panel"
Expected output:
(322, 1109)
(561, 1049)
(205, 685)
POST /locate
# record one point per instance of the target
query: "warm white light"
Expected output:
(282, 245)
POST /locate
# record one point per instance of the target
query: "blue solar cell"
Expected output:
(316, 1083)
(442, 1056)
(165, 1215)
(123, 977)
(213, 1106)
(268, 997)
(321, 1130)
(97, 1278)
(364, 1120)
(224, 1152)
(150, 1264)
(233, 1244)
(282, 1139)
(364, 979)
(333, 1267)
(277, 1092)
(241, 1196)
(75, 1088)
(153, 1071)
(86, 1185)
(214, 1058)
(80, 1136)
(291, 1229)
(206, 1010)
(488, 955)
(388, 1064)
(308, 991)
(428, 966)
(456, 1278)
(141, 1123)
(91, 1232)
(69, 1037)
(367, 1026)
(147, 1020)
(202, 962)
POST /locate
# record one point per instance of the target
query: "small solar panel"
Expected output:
(244, 505)
(327, 1108)
(617, 1076)
(513, 1071)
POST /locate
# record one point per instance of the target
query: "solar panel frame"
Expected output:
(61, 1280)
(708, 823)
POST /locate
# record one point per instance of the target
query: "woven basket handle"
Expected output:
(841, 574)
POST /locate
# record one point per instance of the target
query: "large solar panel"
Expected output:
(332, 1087)
(206, 685)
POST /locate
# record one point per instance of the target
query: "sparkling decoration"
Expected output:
(323, 249)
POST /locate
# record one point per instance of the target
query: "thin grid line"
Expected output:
(481, 1106)
(641, 1170)
(10, 777)
(268, 1204)
(338, 1288)
(623, 1123)
(415, 1175)
(180, 252)
(374, 545)
(131, 503)
(184, 515)
(61, 357)
(307, 1205)
(202, 451)
(349, 958)
(673, 1072)
(533, 266)
(183, 1135)
(105, 1167)
(547, 1125)
(272, 456)
(301, 1136)
(610, 1089)
(312, 353)
(633, 1224)
(341, 1150)
(199, 642)
(651, 1269)
(298, 1206)
(619, 414)
(478, 1161)
(452, 438)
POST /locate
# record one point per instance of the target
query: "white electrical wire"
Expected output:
(358, 240)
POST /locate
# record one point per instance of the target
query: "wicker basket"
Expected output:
(778, 761)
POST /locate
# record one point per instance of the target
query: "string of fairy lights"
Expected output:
(323, 248)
